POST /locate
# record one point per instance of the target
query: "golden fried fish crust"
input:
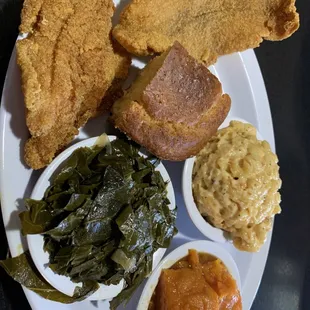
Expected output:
(71, 70)
(206, 28)
(174, 106)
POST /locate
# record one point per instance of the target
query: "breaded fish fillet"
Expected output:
(71, 70)
(206, 28)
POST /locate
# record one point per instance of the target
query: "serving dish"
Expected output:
(209, 231)
(180, 252)
(240, 76)
(36, 242)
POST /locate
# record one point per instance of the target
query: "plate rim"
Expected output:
(264, 120)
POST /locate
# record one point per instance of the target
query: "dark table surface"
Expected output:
(286, 71)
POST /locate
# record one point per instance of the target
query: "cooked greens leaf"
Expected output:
(66, 173)
(114, 194)
(114, 278)
(135, 280)
(154, 161)
(36, 219)
(128, 262)
(139, 175)
(66, 226)
(76, 200)
(136, 228)
(93, 232)
(22, 270)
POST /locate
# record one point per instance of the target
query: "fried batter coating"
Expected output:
(71, 70)
(206, 28)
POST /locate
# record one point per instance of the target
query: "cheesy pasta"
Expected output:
(235, 185)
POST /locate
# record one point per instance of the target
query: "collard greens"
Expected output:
(22, 270)
(103, 217)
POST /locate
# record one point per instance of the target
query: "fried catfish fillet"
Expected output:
(71, 70)
(206, 28)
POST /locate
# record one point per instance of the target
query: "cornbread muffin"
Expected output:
(174, 107)
(235, 185)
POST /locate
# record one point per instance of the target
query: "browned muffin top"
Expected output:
(174, 106)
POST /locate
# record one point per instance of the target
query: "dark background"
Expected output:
(286, 71)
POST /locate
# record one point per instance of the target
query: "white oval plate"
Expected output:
(182, 251)
(241, 78)
(36, 242)
(211, 232)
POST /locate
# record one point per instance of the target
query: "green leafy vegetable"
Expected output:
(36, 219)
(103, 217)
(22, 270)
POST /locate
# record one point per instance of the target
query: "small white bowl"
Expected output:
(211, 232)
(36, 242)
(180, 252)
